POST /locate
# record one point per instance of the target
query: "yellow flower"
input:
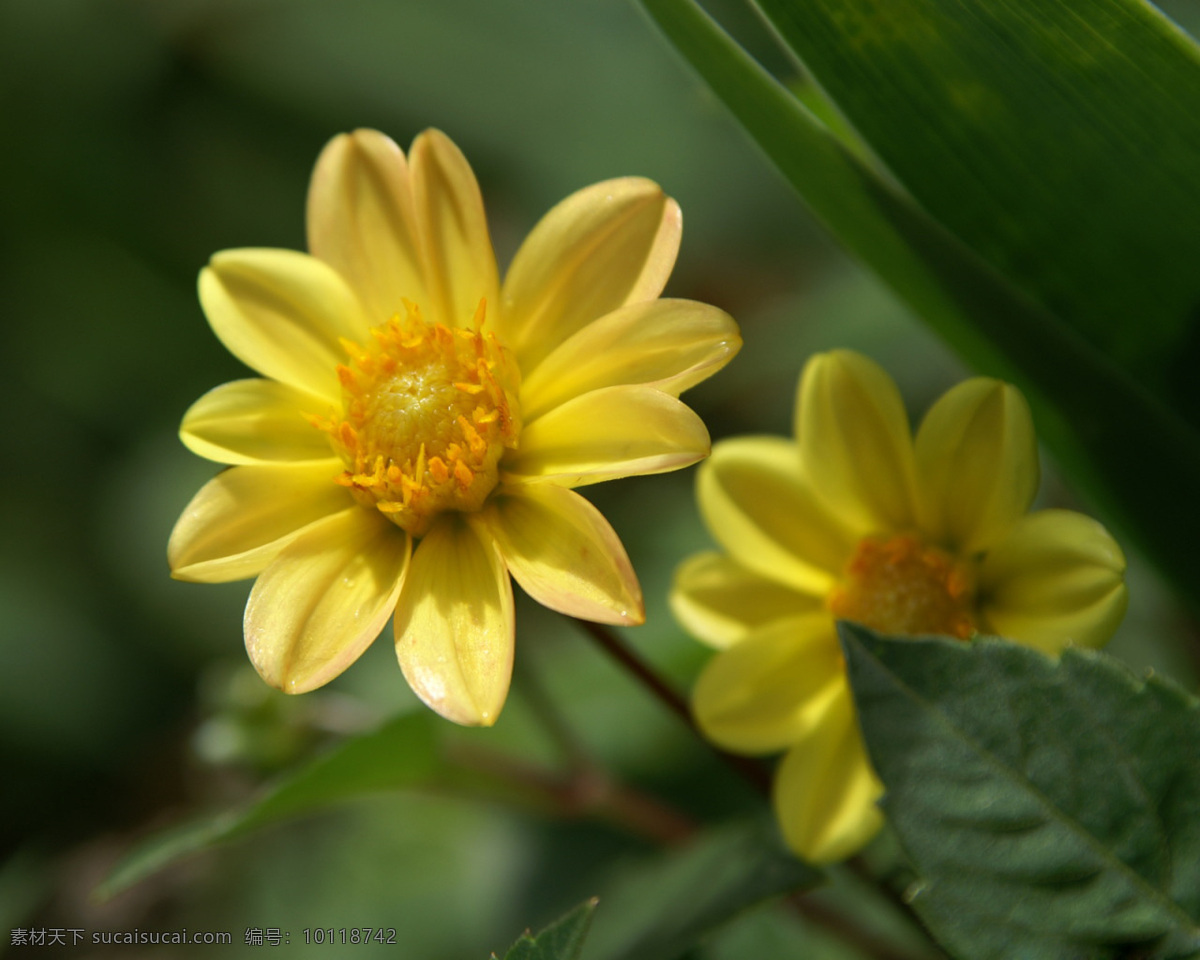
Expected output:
(421, 423)
(855, 520)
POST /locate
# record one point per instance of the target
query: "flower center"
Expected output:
(904, 586)
(427, 412)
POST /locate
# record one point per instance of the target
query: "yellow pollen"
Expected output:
(427, 413)
(904, 586)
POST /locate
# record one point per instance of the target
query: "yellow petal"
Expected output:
(460, 264)
(825, 790)
(255, 421)
(854, 440)
(362, 221)
(564, 554)
(758, 505)
(608, 433)
(325, 598)
(766, 692)
(282, 313)
(241, 519)
(607, 245)
(1057, 578)
(454, 624)
(667, 344)
(720, 602)
(977, 465)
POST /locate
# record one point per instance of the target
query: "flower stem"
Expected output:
(847, 930)
(588, 784)
(579, 793)
(752, 771)
(527, 683)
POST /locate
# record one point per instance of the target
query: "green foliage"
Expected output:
(402, 753)
(1027, 184)
(562, 940)
(1052, 807)
(1024, 129)
(660, 909)
(656, 911)
(1014, 229)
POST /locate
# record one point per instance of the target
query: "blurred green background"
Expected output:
(139, 138)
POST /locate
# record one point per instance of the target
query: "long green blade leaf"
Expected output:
(1136, 456)
(1052, 808)
(401, 753)
(1061, 141)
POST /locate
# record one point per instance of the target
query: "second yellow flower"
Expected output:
(855, 520)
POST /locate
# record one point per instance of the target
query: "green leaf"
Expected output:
(1127, 446)
(401, 753)
(1061, 141)
(562, 940)
(660, 909)
(1052, 808)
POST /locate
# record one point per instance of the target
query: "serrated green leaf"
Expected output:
(401, 753)
(1052, 808)
(660, 909)
(1131, 450)
(562, 940)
